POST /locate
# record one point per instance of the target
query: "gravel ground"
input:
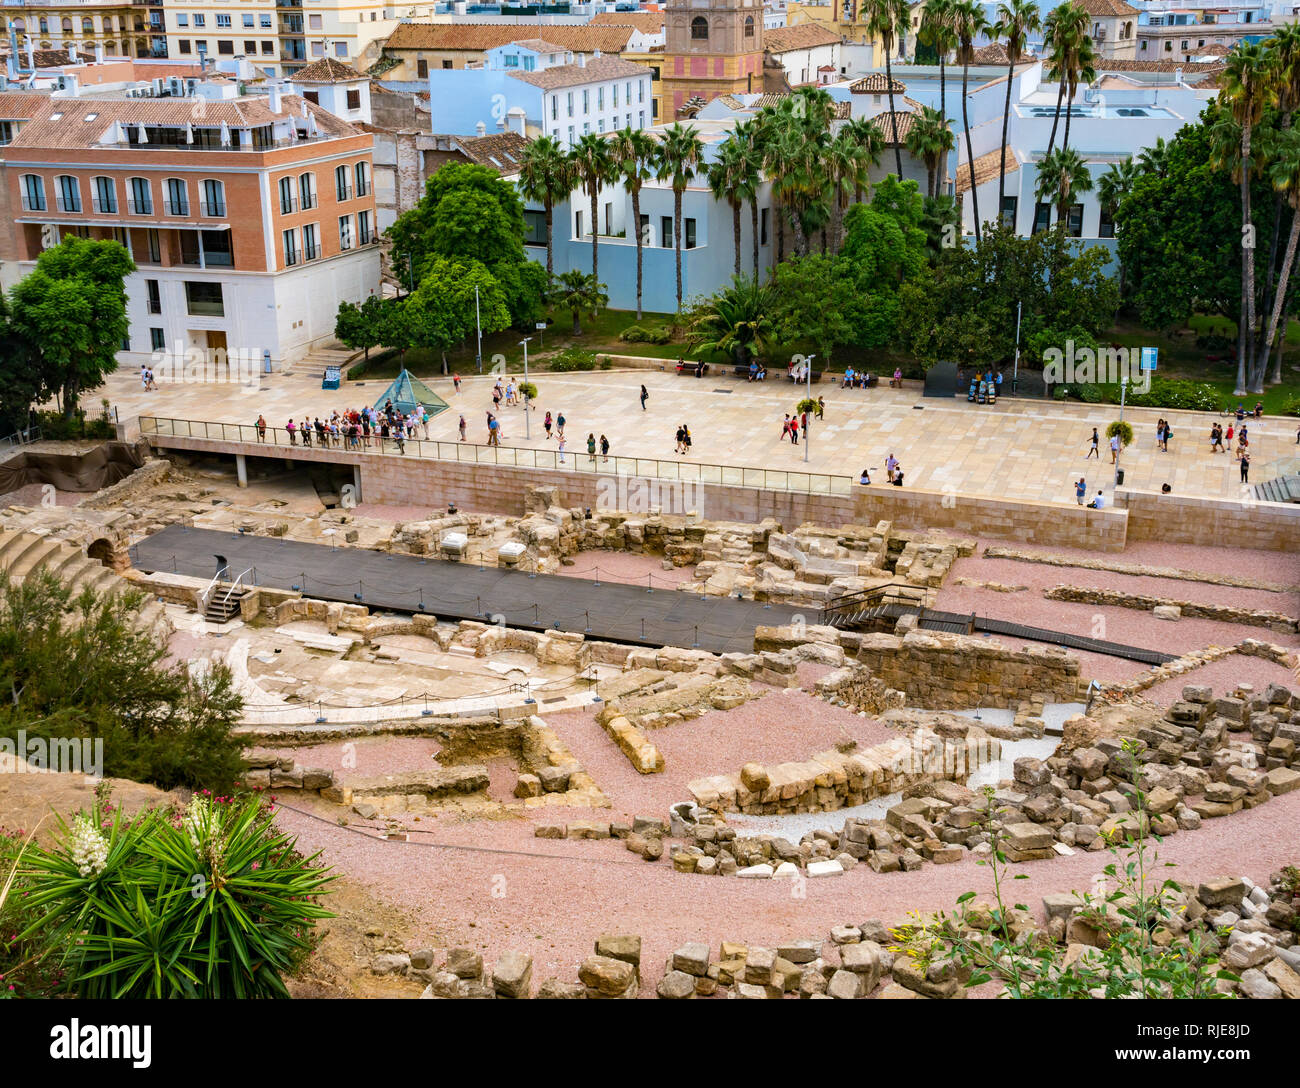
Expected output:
(1222, 676)
(626, 567)
(369, 755)
(555, 905)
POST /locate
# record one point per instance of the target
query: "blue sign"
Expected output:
(1148, 360)
(333, 375)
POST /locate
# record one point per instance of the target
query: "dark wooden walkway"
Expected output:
(404, 583)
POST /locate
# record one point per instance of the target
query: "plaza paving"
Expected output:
(1027, 449)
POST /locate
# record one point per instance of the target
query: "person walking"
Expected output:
(292, 431)
(678, 447)
(559, 424)
(686, 438)
(547, 424)
(455, 381)
(591, 446)
(645, 395)
(1080, 491)
(461, 426)
(1115, 446)
(821, 407)
(1245, 467)
(1092, 446)
(1169, 433)
(604, 447)
(785, 427)
(1216, 439)
(261, 428)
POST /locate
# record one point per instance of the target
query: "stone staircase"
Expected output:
(25, 553)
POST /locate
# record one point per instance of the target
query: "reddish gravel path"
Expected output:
(554, 906)
(626, 567)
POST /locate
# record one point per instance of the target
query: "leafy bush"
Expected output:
(1090, 394)
(57, 426)
(1122, 428)
(1173, 393)
(806, 405)
(211, 902)
(528, 389)
(636, 334)
(1291, 406)
(571, 359)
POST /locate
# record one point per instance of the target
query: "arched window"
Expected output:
(749, 26)
(87, 25)
(700, 29)
(67, 26)
(108, 24)
(110, 49)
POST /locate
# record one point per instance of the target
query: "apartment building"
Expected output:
(1182, 31)
(249, 217)
(1112, 25)
(123, 29)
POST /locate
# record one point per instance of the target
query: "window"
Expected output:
(1074, 221)
(182, 19)
(249, 21)
(749, 26)
(586, 101)
(268, 49)
(615, 87)
(570, 105)
(600, 98)
(307, 190)
(288, 204)
(577, 223)
(264, 21)
(249, 47)
(312, 96)
(33, 193)
(67, 193)
(342, 191)
(105, 195)
(204, 299)
(363, 178)
(570, 134)
(690, 233)
(640, 90)
(199, 20)
(216, 249)
(511, 60)
(666, 231)
(640, 119)
(762, 227)
(214, 197)
(317, 49)
(184, 45)
(6, 132)
(154, 296)
(1169, 47)
(154, 246)
(555, 109)
(290, 247)
(421, 69)
(314, 22)
(1042, 217)
(535, 228)
(354, 100)
(341, 48)
(223, 22)
(177, 201)
(1106, 228)
(1009, 208)
(225, 47)
(310, 249)
(446, 64)
(600, 125)
(700, 29)
(364, 233)
(157, 340)
(345, 232)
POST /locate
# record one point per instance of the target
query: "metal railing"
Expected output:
(687, 473)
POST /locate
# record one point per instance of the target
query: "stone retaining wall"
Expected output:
(942, 672)
(1274, 621)
(1184, 519)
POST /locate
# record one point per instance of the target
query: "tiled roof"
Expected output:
(538, 45)
(1108, 8)
(782, 39)
(328, 70)
(1213, 50)
(573, 75)
(986, 168)
(648, 22)
(884, 122)
(476, 37)
(500, 151)
(16, 106)
(1212, 81)
(876, 83)
(1101, 64)
(70, 129)
(996, 53)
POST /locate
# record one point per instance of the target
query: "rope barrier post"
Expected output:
(426, 712)
(649, 587)
(597, 581)
(587, 614)
(696, 644)
(320, 713)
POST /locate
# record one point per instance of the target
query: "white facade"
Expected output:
(608, 105)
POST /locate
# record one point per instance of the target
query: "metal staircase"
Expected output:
(880, 609)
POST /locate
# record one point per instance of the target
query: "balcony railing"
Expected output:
(288, 205)
(308, 201)
(215, 208)
(31, 204)
(363, 188)
(139, 207)
(105, 207)
(343, 192)
(310, 253)
(176, 207)
(290, 259)
(68, 203)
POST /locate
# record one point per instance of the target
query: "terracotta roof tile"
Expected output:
(16, 106)
(986, 168)
(782, 39)
(500, 151)
(478, 37)
(327, 70)
(573, 75)
(1107, 8)
(648, 22)
(875, 83)
(884, 122)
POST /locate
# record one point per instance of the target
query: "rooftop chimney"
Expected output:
(99, 52)
(273, 94)
(31, 55)
(582, 60)
(72, 53)
(480, 129)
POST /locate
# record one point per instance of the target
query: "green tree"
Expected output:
(937, 32)
(23, 381)
(680, 155)
(80, 665)
(441, 312)
(1062, 174)
(70, 314)
(593, 167)
(737, 321)
(360, 326)
(871, 142)
(579, 293)
(818, 302)
(546, 178)
(636, 155)
(931, 140)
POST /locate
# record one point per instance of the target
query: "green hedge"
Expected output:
(636, 334)
(571, 359)
(56, 426)
(1176, 394)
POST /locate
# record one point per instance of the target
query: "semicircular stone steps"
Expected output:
(24, 553)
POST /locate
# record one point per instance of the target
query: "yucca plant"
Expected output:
(214, 902)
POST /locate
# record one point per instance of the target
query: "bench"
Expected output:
(872, 381)
(684, 367)
(816, 377)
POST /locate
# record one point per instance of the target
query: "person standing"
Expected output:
(1114, 448)
(455, 381)
(261, 428)
(591, 446)
(604, 447)
(645, 395)
(1092, 446)
(561, 441)
(293, 437)
(1245, 467)
(462, 428)
(1080, 490)
(547, 424)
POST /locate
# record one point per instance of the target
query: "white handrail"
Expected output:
(203, 597)
(234, 586)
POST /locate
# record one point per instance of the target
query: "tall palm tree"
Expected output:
(578, 292)
(886, 19)
(748, 139)
(680, 153)
(1155, 159)
(1064, 31)
(1062, 175)
(968, 22)
(1284, 175)
(1114, 185)
(1081, 71)
(931, 140)
(729, 181)
(1017, 19)
(793, 166)
(593, 167)
(546, 177)
(846, 168)
(871, 141)
(635, 154)
(936, 32)
(1247, 81)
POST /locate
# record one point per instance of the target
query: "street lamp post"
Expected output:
(1015, 369)
(527, 429)
(478, 329)
(808, 430)
(1123, 390)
